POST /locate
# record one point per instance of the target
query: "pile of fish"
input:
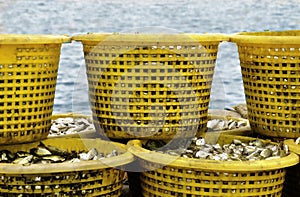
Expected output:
(222, 124)
(235, 151)
(70, 125)
(50, 154)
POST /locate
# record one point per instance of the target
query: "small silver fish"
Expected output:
(237, 142)
(41, 151)
(257, 143)
(88, 156)
(24, 160)
(54, 158)
(249, 149)
(266, 153)
(232, 124)
(202, 154)
(22, 154)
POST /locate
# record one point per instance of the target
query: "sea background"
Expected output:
(187, 16)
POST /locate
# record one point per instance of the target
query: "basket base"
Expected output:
(274, 134)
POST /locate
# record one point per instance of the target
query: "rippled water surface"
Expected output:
(189, 16)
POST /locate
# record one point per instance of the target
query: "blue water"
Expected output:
(189, 16)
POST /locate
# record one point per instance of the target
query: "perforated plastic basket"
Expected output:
(91, 133)
(167, 175)
(28, 72)
(271, 76)
(292, 182)
(150, 85)
(85, 178)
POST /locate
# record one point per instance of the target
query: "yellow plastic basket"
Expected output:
(82, 134)
(28, 72)
(271, 76)
(85, 178)
(292, 182)
(150, 85)
(176, 176)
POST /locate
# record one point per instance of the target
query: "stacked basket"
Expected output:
(271, 76)
(148, 87)
(151, 86)
(84, 178)
(28, 73)
(167, 175)
(270, 69)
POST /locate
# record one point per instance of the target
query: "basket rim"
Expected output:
(34, 39)
(70, 114)
(292, 146)
(150, 37)
(291, 37)
(135, 147)
(122, 159)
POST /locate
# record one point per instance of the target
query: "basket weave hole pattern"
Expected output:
(82, 183)
(27, 85)
(271, 76)
(172, 181)
(132, 82)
